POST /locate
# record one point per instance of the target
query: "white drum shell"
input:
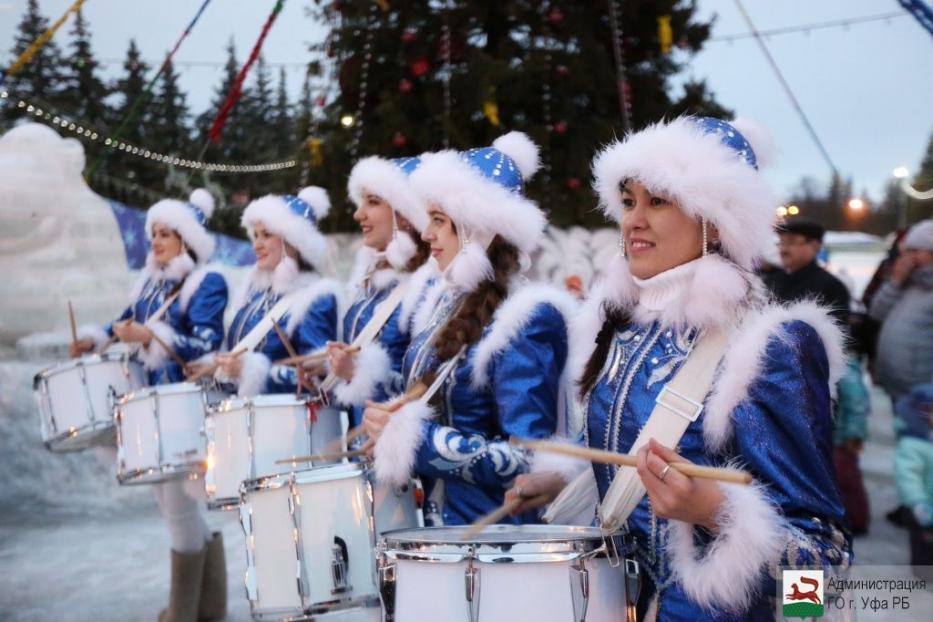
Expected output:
(291, 522)
(525, 584)
(74, 398)
(245, 438)
(159, 433)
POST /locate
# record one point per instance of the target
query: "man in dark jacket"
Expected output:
(802, 277)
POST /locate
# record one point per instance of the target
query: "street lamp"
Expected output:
(346, 120)
(900, 172)
(856, 204)
(793, 210)
(781, 211)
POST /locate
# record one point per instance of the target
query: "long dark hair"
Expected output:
(422, 251)
(466, 325)
(615, 319)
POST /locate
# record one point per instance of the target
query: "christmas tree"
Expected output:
(417, 77)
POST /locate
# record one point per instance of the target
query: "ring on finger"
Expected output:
(519, 492)
(664, 472)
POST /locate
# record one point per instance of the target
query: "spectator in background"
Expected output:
(864, 329)
(904, 306)
(850, 428)
(802, 277)
(913, 470)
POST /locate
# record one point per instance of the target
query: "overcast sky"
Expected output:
(866, 89)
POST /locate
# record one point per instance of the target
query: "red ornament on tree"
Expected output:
(420, 67)
(399, 140)
(409, 35)
(321, 101)
(555, 16)
(573, 183)
(405, 85)
(562, 70)
(560, 127)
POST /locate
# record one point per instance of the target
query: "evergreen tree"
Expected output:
(170, 133)
(282, 134)
(235, 143)
(546, 68)
(84, 92)
(41, 79)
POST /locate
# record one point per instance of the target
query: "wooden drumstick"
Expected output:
(340, 455)
(174, 355)
(732, 476)
(493, 517)
(74, 327)
(210, 369)
(291, 353)
(311, 358)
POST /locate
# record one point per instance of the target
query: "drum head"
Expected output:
(494, 534)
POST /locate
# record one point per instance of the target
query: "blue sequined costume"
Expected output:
(193, 324)
(310, 322)
(510, 383)
(769, 412)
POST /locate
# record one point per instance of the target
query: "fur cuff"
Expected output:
(727, 573)
(550, 462)
(373, 366)
(253, 376)
(95, 332)
(154, 356)
(396, 448)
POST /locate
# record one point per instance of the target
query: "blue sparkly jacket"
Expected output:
(310, 322)
(769, 412)
(377, 374)
(510, 383)
(193, 324)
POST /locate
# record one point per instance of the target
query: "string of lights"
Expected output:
(62, 122)
(807, 28)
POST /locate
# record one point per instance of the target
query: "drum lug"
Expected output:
(632, 588)
(471, 584)
(338, 566)
(612, 553)
(387, 575)
(579, 590)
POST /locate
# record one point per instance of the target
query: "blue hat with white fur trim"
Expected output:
(188, 220)
(294, 218)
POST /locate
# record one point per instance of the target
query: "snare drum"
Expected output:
(160, 433)
(507, 572)
(74, 398)
(245, 437)
(310, 538)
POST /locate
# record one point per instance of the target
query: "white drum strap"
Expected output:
(252, 339)
(678, 404)
(381, 315)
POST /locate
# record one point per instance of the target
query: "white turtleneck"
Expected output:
(666, 289)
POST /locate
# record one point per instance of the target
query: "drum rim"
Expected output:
(233, 404)
(175, 388)
(84, 360)
(392, 539)
(273, 482)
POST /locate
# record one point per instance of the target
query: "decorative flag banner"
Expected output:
(921, 11)
(26, 57)
(137, 105)
(236, 90)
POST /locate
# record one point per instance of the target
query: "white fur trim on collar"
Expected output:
(285, 279)
(705, 177)
(193, 282)
(179, 216)
(272, 211)
(511, 317)
(470, 199)
(177, 269)
(415, 292)
(386, 180)
(744, 360)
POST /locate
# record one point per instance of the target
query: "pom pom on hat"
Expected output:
(203, 200)
(523, 152)
(317, 198)
(759, 138)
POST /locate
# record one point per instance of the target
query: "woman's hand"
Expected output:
(132, 332)
(375, 419)
(536, 490)
(341, 361)
(230, 365)
(674, 495)
(81, 346)
(197, 369)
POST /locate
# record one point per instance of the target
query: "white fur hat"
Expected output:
(710, 167)
(920, 236)
(295, 218)
(388, 179)
(483, 189)
(188, 220)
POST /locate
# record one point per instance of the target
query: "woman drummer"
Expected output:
(694, 216)
(499, 344)
(191, 327)
(290, 250)
(393, 255)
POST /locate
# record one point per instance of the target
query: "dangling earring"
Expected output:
(705, 238)
(622, 245)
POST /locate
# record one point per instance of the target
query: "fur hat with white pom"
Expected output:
(295, 218)
(482, 191)
(709, 167)
(188, 220)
